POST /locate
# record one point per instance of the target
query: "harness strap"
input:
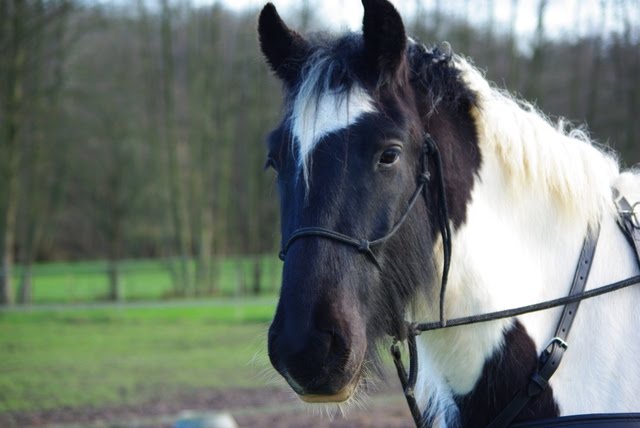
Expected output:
(551, 356)
(629, 221)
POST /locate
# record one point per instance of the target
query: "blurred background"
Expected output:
(138, 230)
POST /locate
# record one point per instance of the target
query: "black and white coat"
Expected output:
(522, 192)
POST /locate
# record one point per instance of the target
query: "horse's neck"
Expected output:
(515, 249)
(501, 259)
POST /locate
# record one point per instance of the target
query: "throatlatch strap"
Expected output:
(552, 355)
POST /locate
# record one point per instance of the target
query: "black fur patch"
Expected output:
(444, 104)
(283, 48)
(502, 378)
(384, 38)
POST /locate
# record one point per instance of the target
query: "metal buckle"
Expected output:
(633, 215)
(559, 341)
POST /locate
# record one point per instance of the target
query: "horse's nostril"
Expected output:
(336, 355)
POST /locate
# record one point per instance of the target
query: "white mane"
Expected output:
(536, 153)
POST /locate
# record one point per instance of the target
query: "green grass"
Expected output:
(87, 281)
(110, 356)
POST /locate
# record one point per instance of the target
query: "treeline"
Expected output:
(137, 129)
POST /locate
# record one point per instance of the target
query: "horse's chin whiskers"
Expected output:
(323, 410)
(266, 375)
(358, 400)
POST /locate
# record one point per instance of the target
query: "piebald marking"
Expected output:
(315, 117)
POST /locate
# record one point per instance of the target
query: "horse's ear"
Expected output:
(385, 39)
(283, 48)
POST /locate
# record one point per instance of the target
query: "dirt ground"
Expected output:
(268, 407)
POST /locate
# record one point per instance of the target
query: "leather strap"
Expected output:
(629, 222)
(551, 356)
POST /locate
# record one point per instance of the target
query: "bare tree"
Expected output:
(533, 89)
(513, 54)
(14, 18)
(179, 219)
(596, 65)
(629, 66)
(42, 155)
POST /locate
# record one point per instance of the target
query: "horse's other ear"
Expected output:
(385, 39)
(283, 48)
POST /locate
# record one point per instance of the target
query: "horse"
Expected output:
(520, 192)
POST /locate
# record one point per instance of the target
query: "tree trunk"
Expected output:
(176, 205)
(26, 258)
(594, 80)
(306, 15)
(632, 66)
(514, 65)
(257, 276)
(437, 24)
(204, 267)
(114, 235)
(241, 283)
(465, 37)
(536, 65)
(115, 284)
(25, 292)
(10, 157)
(577, 53)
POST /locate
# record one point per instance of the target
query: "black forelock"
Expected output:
(331, 62)
(339, 63)
(433, 71)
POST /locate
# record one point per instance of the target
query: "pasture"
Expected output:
(114, 356)
(140, 364)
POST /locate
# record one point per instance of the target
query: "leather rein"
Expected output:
(551, 356)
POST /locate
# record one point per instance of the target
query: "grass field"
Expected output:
(86, 281)
(110, 356)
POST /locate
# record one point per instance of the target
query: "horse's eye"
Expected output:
(270, 163)
(390, 156)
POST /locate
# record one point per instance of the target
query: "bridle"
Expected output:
(364, 246)
(551, 356)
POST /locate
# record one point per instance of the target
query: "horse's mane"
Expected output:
(536, 154)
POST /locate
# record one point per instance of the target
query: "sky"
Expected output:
(560, 16)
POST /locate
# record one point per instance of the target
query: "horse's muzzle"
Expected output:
(319, 356)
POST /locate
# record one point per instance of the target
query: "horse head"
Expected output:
(348, 155)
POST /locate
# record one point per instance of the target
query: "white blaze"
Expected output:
(316, 117)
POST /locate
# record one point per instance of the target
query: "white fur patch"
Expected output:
(316, 117)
